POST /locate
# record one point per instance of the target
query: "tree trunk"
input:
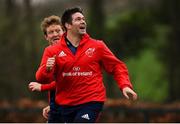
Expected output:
(173, 63)
(96, 19)
(32, 40)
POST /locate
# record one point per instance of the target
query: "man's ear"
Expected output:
(67, 25)
(45, 36)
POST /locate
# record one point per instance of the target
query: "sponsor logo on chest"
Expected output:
(76, 72)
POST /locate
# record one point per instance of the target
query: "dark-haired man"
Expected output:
(77, 70)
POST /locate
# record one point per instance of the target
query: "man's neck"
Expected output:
(74, 39)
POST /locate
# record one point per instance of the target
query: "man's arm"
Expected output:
(51, 86)
(44, 74)
(118, 69)
(35, 86)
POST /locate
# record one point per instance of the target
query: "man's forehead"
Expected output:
(53, 26)
(77, 14)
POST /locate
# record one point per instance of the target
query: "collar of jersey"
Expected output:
(83, 40)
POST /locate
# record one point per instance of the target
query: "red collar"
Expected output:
(85, 37)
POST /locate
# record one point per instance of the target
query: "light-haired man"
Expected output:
(52, 29)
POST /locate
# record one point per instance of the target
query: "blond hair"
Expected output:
(51, 20)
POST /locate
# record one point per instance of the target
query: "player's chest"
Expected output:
(83, 56)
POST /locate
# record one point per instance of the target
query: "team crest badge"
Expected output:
(90, 51)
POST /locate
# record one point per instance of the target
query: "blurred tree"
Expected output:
(31, 45)
(127, 35)
(18, 48)
(96, 19)
(169, 11)
(31, 53)
(10, 50)
(166, 18)
(126, 32)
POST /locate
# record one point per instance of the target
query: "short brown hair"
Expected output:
(50, 21)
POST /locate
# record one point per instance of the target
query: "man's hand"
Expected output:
(46, 112)
(129, 93)
(50, 63)
(34, 86)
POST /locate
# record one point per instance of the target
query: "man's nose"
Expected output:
(83, 21)
(55, 33)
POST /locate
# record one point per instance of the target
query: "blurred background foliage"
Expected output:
(142, 33)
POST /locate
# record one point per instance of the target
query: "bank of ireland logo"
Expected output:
(90, 51)
(76, 68)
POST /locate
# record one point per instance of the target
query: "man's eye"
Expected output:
(57, 31)
(78, 19)
(50, 32)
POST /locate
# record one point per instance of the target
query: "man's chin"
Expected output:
(54, 42)
(82, 33)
